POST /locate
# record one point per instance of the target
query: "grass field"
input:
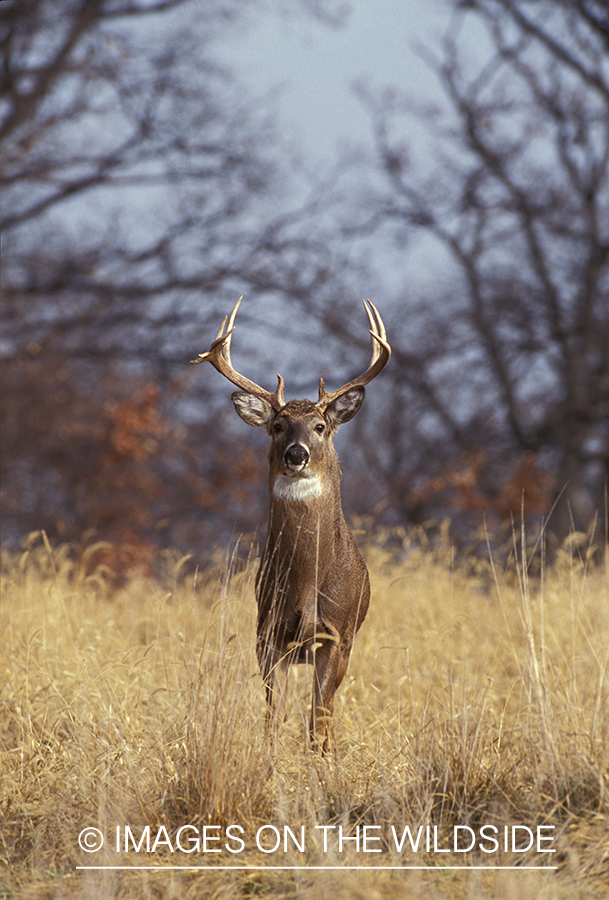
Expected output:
(477, 701)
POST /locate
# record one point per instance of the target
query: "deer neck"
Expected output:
(305, 510)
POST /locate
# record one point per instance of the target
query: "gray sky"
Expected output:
(316, 66)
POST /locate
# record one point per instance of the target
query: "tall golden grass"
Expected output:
(477, 696)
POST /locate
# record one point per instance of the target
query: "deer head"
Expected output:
(301, 431)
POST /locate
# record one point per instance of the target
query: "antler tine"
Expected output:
(379, 357)
(229, 330)
(219, 356)
(377, 329)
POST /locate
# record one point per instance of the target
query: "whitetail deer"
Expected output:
(312, 587)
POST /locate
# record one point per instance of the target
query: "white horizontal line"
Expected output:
(323, 868)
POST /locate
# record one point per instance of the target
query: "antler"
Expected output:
(381, 351)
(219, 356)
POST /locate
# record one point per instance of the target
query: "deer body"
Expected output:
(312, 587)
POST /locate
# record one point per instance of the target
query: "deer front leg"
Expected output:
(328, 671)
(274, 669)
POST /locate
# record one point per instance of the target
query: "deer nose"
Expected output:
(296, 456)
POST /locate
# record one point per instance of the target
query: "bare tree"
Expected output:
(504, 369)
(134, 174)
(138, 185)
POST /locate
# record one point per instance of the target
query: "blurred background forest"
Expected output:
(144, 187)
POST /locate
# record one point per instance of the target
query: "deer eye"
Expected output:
(277, 427)
(320, 428)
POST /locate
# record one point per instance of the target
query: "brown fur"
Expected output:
(312, 587)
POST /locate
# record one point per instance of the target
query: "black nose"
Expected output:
(297, 455)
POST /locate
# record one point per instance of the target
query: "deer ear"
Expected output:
(252, 409)
(345, 406)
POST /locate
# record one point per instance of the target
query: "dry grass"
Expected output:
(475, 698)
